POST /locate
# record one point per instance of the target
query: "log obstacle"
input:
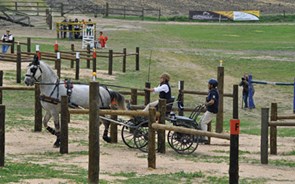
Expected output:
(273, 123)
(250, 93)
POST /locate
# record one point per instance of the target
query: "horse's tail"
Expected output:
(120, 99)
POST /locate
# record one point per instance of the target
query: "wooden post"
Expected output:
(147, 94)
(38, 110)
(18, 64)
(134, 96)
(219, 116)
(124, 60)
(264, 136)
(64, 120)
(12, 46)
(273, 129)
(15, 6)
(142, 14)
(161, 133)
(110, 62)
(234, 151)
(58, 64)
(107, 10)
(1, 84)
(88, 57)
(61, 9)
(37, 8)
(28, 44)
(77, 65)
(137, 59)
(235, 102)
(94, 61)
(114, 130)
(151, 139)
(159, 18)
(180, 89)
(2, 135)
(93, 163)
(73, 53)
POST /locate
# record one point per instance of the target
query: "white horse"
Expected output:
(52, 90)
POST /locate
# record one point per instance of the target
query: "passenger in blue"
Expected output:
(163, 89)
(212, 101)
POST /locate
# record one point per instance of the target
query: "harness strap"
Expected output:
(56, 87)
(49, 99)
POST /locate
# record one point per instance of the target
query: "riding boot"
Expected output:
(105, 136)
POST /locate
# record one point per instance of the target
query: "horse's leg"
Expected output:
(45, 123)
(57, 129)
(106, 131)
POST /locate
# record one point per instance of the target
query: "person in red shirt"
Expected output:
(102, 40)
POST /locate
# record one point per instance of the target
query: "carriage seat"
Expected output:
(169, 105)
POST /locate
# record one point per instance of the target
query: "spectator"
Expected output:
(77, 29)
(8, 38)
(89, 28)
(64, 28)
(211, 103)
(163, 89)
(102, 40)
(245, 84)
(70, 27)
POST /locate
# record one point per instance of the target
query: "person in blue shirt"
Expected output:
(211, 103)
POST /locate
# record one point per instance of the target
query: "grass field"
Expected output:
(189, 52)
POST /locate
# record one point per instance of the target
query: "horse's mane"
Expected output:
(50, 71)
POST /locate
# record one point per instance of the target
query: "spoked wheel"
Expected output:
(182, 143)
(127, 134)
(141, 136)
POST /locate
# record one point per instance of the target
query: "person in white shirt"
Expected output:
(163, 89)
(6, 38)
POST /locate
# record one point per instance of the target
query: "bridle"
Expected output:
(34, 70)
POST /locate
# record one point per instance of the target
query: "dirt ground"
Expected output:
(119, 158)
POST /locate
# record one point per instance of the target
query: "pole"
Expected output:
(2, 135)
(77, 65)
(219, 116)
(64, 120)
(93, 163)
(234, 151)
(264, 136)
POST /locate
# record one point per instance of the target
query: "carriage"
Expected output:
(135, 132)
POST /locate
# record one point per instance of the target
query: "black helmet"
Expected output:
(213, 82)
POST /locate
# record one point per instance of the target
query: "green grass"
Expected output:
(16, 172)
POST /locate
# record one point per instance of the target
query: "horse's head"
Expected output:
(117, 101)
(34, 72)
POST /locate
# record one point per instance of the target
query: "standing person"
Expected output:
(70, 27)
(245, 84)
(89, 28)
(8, 38)
(102, 40)
(163, 89)
(211, 103)
(77, 29)
(64, 28)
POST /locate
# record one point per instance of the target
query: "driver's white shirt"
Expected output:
(159, 89)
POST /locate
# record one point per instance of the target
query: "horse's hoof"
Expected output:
(106, 139)
(56, 144)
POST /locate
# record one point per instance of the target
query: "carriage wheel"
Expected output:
(182, 143)
(141, 137)
(127, 134)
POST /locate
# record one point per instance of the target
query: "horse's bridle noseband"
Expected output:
(34, 70)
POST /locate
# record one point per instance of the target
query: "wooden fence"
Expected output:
(273, 124)
(75, 56)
